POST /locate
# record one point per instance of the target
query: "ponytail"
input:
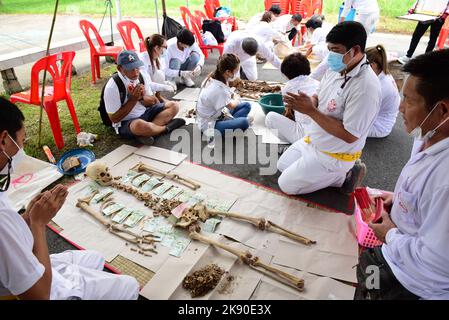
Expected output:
(226, 62)
(378, 55)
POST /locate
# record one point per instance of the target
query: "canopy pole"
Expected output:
(117, 10)
(157, 17)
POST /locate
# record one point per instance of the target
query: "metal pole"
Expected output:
(157, 17)
(118, 11)
(187, 3)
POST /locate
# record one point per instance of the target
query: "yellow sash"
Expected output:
(8, 298)
(348, 157)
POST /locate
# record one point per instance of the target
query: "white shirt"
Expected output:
(112, 97)
(417, 251)
(19, 267)
(157, 76)
(361, 7)
(283, 24)
(234, 45)
(173, 52)
(214, 96)
(356, 105)
(389, 106)
(265, 32)
(304, 84)
(254, 20)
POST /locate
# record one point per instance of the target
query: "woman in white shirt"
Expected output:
(264, 30)
(390, 100)
(367, 13)
(156, 46)
(292, 125)
(317, 43)
(217, 98)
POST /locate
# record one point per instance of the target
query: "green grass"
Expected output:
(243, 9)
(86, 99)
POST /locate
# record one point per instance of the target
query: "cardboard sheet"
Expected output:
(269, 66)
(259, 127)
(161, 154)
(31, 177)
(418, 17)
(334, 256)
(189, 94)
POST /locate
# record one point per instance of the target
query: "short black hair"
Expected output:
(275, 9)
(432, 71)
(11, 118)
(250, 46)
(297, 17)
(315, 21)
(295, 65)
(185, 36)
(349, 34)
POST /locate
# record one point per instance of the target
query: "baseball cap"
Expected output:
(129, 60)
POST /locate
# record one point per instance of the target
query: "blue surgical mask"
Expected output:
(335, 61)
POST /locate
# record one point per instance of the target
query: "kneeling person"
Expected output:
(142, 115)
(291, 125)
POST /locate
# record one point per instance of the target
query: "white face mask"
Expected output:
(15, 160)
(234, 76)
(417, 132)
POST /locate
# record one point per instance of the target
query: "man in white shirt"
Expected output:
(139, 114)
(184, 59)
(342, 113)
(413, 261)
(245, 47)
(27, 271)
(367, 13)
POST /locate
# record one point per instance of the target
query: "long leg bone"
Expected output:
(141, 241)
(184, 181)
(263, 224)
(253, 262)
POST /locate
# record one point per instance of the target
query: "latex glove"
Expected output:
(168, 88)
(186, 73)
(197, 71)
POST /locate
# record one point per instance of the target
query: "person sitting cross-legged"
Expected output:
(142, 115)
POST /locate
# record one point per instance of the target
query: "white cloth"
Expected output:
(112, 97)
(247, 62)
(369, 21)
(288, 129)
(254, 20)
(304, 167)
(173, 52)
(74, 273)
(318, 41)
(389, 107)
(417, 250)
(156, 76)
(19, 267)
(214, 96)
(265, 32)
(356, 105)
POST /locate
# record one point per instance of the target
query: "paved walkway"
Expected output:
(18, 32)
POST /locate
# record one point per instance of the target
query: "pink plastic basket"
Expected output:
(365, 235)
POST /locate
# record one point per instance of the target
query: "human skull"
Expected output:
(99, 172)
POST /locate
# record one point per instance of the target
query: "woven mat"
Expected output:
(131, 268)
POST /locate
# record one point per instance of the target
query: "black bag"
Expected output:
(170, 27)
(214, 27)
(122, 90)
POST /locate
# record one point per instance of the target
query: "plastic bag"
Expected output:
(209, 39)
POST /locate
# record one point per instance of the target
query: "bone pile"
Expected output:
(202, 281)
(254, 89)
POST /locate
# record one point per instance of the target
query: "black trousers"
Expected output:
(420, 30)
(389, 288)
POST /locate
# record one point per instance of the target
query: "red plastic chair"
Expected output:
(97, 52)
(125, 28)
(283, 4)
(444, 34)
(59, 67)
(210, 6)
(191, 24)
